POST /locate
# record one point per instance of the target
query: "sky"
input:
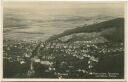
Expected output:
(117, 7)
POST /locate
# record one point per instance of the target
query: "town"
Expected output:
(80, 59)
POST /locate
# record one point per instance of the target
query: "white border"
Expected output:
(74, 80)
(68, 0)
(33, 79)
(126, 41)
(1, 39)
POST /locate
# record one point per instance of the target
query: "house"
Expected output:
(46, 62)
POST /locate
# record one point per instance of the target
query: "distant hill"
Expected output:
(111, 30)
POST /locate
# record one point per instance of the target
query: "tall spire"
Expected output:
(35, 52)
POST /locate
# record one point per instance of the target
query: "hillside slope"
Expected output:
(111, 30)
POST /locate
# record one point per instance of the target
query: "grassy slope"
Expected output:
(112, 30)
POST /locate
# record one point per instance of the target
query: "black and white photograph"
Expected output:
(63, 40)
